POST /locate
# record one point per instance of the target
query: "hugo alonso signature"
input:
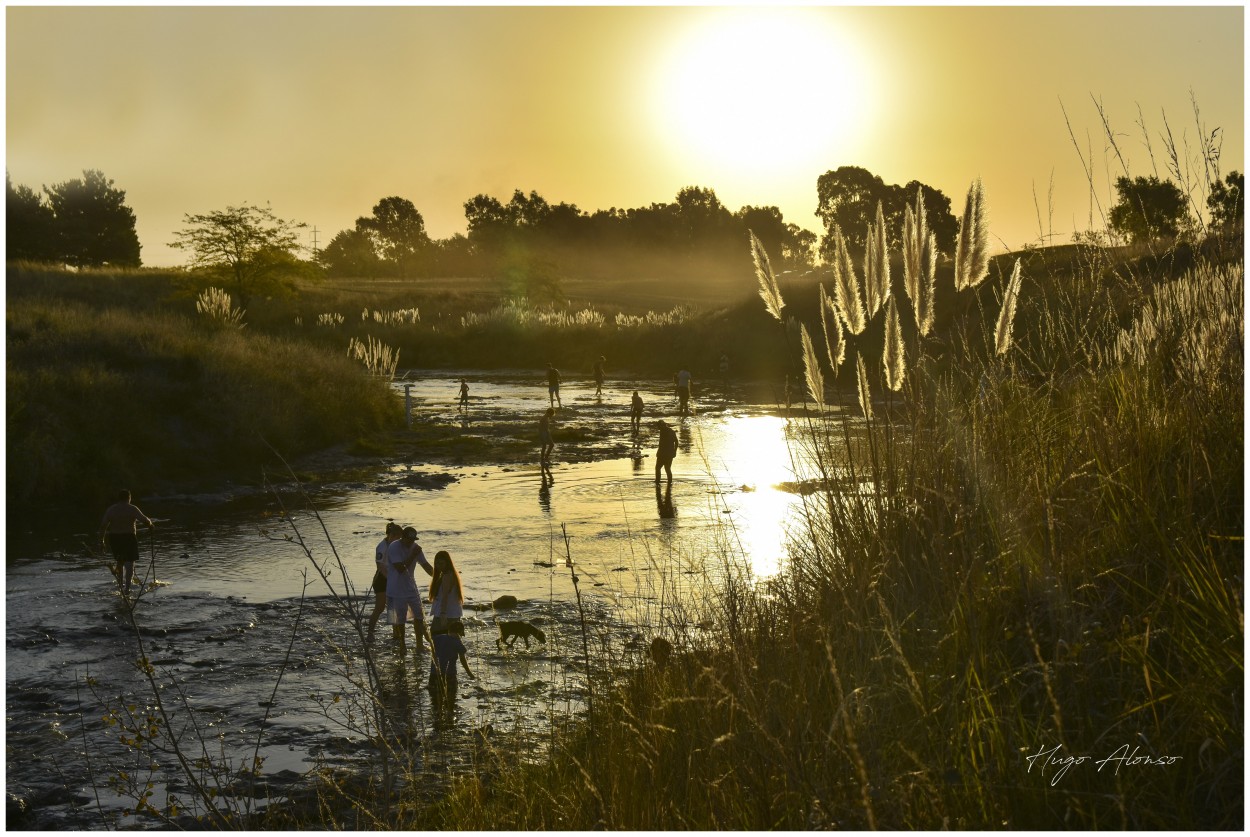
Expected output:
(1050, 761)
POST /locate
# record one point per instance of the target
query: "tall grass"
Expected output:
(100, 397)
(1041, 550)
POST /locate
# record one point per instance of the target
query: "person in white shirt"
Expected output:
(403, 599)
(446, 593)
(393, 532)
(683, 389)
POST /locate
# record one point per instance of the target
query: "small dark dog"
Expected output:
(512, 631)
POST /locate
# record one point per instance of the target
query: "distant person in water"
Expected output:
(635, 413)
(553, 386)
(666, 451)
(120, 530)
(545, 439)
(683, 389)
(446, 594)
(403, 599)
(464, 394)
(599, 375)
(393, 532)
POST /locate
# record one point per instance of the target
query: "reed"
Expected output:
(380, 359)
(216, 306)
(972, 247)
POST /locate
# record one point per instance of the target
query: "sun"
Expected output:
(761, 89)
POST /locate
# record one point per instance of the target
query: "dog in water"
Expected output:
(512, 631)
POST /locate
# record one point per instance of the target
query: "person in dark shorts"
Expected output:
(448, 648)
(599, 376)
(682, 379)
(393, 531)
(635, 413)
(666, 451)
(464, 394)
(120, 530)
(553, 386)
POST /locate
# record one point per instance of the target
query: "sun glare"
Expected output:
(766, 89)
(756, 459)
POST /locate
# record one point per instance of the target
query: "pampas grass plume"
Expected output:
(846, 286)
(811, 370)
(835, 345)
(972, 259)
(1002, 334)
(865, 394)
(919, 263)
(769, 290)
(894, 357)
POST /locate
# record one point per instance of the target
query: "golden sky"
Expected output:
(322, 111)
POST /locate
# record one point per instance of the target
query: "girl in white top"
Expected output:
(446, 592)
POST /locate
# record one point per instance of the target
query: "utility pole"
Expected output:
(314, 239)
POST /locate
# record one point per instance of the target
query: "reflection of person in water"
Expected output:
(664, 502)
(544, 496)
(685, 439)
(545, 438)
(666, 451)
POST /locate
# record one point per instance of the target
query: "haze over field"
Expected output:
(321, 111)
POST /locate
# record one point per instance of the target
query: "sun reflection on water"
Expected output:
(751, 460)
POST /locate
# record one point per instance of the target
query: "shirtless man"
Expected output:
(120, 529)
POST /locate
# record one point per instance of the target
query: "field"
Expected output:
(1028, 616)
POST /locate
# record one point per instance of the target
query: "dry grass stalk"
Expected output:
(846, 286)
(894, 358)
(876, 264)
(972, 252)
(1002, 334)
(919, 263)
(769, 291)
(811, 370)
(831, 320)
(865, 394)
(379, 358)
(217, 307)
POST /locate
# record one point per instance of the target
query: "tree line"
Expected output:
(529, 242)
(82, 222)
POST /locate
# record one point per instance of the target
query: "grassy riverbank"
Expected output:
(102, 394)
(1044, 558)
(1051, 567)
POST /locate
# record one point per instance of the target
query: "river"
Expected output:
(235, 594)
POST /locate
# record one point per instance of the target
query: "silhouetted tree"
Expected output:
(30, 226)
(400, 233)
(94, 227)
(1227, 201)
(1148, 208)
(941, 221)
(351, 253)
(848, 197)
(248, 248)
(791, 246)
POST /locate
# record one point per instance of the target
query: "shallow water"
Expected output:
(236, 589)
